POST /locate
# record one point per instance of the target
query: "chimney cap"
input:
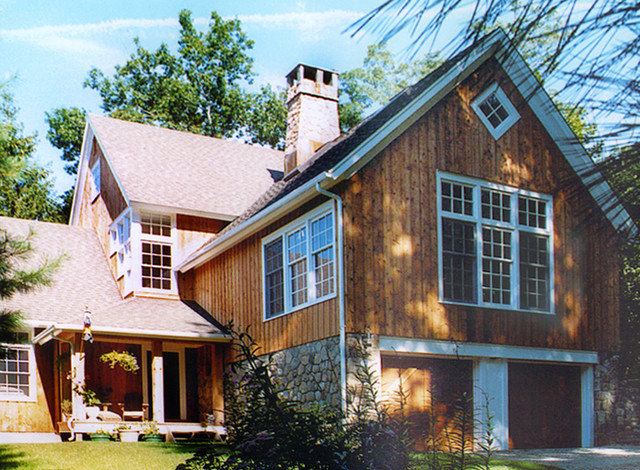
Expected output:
(291, 76)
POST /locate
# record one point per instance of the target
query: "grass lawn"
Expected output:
(94, 456)
(124, 456)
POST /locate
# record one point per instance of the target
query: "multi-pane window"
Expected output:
(156, 224)
(495, 110)
(299, 264)
(121, 246)
(16, 371)
(95, 179)
(156, 266)
(156, 246)
(495, 245)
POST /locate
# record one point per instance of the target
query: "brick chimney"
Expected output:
(312, 120)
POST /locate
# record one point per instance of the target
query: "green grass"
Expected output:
(134, 456)
(94, 456)
(420, 463)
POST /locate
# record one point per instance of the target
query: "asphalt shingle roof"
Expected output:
(84, 280)
(186, 171)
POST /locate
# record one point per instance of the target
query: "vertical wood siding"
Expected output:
(392, 240)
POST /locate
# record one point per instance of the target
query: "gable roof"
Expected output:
(180, 170)
(84, 280)
(344, 156)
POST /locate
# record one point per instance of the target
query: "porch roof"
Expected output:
(84, 280)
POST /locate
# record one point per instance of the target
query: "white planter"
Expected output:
(92, 412)
(129, 435)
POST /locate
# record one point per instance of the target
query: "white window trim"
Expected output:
(499, 131)
(33, 393)
(117, 249)
(95, 173)
(137, 238)
(516, 228)
(305, 220)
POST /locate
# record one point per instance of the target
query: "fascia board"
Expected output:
(252, 225)
(472, 350)
(162, 209)
(81, 174)
(362, 154)
(554, 123)
(134, 332)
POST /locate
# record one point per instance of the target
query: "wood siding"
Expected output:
(392, 272)
(391, 242)
(230, 288)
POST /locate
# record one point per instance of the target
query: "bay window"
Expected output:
(495, 245)
(299, 263)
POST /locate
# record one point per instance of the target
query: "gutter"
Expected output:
(341, 297)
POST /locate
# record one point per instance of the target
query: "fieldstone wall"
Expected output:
(309, 373)
(617, 407)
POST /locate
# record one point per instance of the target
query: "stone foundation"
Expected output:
(617, 410)
(309, 373)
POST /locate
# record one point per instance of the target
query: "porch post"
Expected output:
(157, 382)
(77, 377)
(217, 377)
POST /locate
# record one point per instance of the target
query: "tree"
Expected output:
(593, 46)
(66, 129)
(25, 188)
(14, 152)
(196, 90)
(377, 81)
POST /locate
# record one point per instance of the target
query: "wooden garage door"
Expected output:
(544, 406)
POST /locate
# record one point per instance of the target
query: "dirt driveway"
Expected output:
(596, 458)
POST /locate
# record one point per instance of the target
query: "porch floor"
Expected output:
(169, 429)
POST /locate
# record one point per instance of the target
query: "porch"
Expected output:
(177, 384)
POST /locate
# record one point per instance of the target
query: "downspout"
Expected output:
(341, 299)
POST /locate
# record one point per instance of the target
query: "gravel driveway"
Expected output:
(596, 458)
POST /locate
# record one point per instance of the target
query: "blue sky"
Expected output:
(50, 45)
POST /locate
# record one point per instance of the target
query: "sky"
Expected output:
(49, 46)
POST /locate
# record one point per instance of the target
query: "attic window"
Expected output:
(495, 110)
(95, 177)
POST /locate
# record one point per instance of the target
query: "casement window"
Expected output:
(95, 179)
(299, 263)
(120, 237)
(156, 250)
(17, 371)
(495, 245)
(495, 110)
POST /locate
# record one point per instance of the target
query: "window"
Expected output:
(299, 264)
(495, 110)
(17, 381)
(157, 248)
(95, 178)
(120, 237)
(495, 245)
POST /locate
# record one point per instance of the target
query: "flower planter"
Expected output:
(129, 435)
(100, 437)
(153, 438)
(92, 412)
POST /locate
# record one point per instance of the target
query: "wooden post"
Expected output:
(77, 379)
(217, 371)
(157, 382)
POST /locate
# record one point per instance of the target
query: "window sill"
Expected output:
(494, 307)
(300, 307)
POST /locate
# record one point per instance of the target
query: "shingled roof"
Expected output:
(84, 280)
(347, 153)
(186, 171)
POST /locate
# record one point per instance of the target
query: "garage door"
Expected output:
(544, 406)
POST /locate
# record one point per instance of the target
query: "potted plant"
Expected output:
(67, 409)
(100, 435)
(128, 433)
(151, 432)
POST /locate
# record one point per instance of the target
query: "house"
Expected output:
(461, 231)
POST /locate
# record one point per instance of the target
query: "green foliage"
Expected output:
(267, 430)
(66, 129)
(196, 90)
(267, 118)
(25, 188)
(377, 81)
(123, 359)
